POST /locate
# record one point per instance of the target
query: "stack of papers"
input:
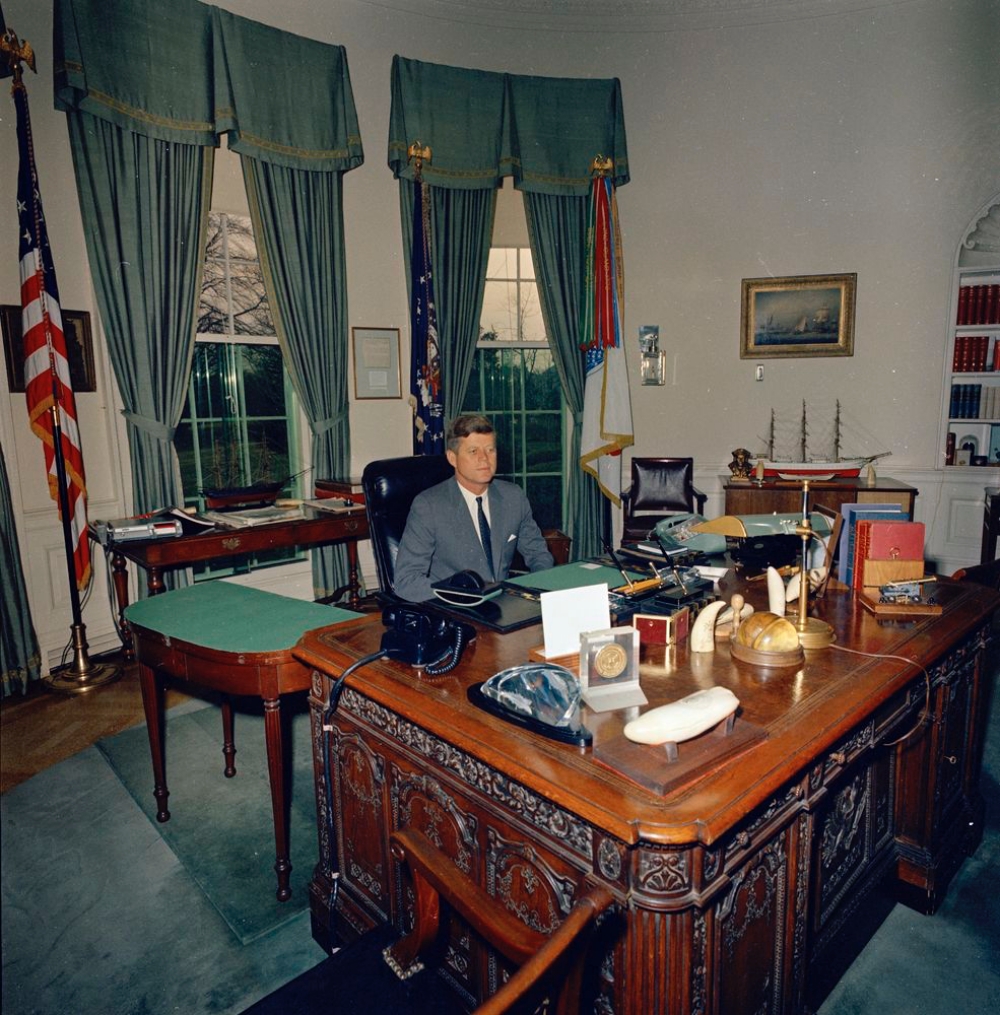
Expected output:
(252, 516)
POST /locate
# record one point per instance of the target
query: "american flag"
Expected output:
(46, 367)
(426, 396)
(607, 404)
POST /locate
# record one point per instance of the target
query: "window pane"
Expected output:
(239, 234)
(541, 380)
(532, 324)
(213, 307)
(527, 263)
(543, 443)
(215, 238)
(498, 321)
(263, 380)
(268, 451)
(502, 262)
(207, 375)
(545, 495)
(251, 314)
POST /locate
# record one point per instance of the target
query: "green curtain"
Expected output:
(189, 72)
(298, 220)
(462, 227)
(557, 229)
(20, 661)
(145, 207)
(482, 126)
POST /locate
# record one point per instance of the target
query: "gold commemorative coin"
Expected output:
(610, 661)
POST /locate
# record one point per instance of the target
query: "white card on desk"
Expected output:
(567, 613)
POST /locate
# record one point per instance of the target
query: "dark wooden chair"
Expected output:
(550, 966)
(660, 487)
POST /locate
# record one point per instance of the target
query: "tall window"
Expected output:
(515, 383)
(239, 426)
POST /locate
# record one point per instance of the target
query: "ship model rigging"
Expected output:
(799, 464)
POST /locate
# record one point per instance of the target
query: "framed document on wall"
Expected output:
(376, 362)
(79, 348)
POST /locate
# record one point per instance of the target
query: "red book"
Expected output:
(890, 540)
(993, 304)
(964, 294)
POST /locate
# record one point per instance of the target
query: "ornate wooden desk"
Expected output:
(155, 556)
(749, 885)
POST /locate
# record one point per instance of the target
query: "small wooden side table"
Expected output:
(236, 640)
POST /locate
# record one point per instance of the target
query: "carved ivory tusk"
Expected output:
(684, 718)
(816, 575)
(703, 632)
(775, 592)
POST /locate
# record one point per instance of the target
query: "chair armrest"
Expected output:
(699, 499)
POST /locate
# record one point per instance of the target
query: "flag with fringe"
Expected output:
(426, 396)
(47, 380)
(607, 405)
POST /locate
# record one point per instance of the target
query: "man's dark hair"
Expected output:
(463, 426)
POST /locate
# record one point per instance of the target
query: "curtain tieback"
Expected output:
(153, 427)
(321, 426)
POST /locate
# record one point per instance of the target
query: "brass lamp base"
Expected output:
(814, 633)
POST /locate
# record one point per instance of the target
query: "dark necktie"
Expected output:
(484, 535)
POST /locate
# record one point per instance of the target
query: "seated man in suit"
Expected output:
(469, 523)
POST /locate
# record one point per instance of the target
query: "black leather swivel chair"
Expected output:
(389, 486)
(660, 487)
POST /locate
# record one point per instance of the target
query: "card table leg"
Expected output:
(228, 737)
(273, 736)
(152, 705)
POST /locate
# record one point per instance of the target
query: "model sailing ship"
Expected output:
(799, 464)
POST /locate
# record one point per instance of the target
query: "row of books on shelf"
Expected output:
(974, 401)
(979, 304)
(973, 355)
(879, 544)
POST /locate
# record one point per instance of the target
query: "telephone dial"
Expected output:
(423, 639)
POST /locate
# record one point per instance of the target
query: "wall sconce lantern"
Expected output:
(653, 364)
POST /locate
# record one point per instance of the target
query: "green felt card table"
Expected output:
(234, 640)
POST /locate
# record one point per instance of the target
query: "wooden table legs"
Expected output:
(152, 703)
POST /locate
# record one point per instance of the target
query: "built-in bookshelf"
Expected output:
(971, 427)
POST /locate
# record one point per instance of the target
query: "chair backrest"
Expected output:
(389, 486)
(661, 485)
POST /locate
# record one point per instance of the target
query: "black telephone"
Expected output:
(423, 639)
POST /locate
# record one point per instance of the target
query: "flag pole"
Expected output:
(82, 674)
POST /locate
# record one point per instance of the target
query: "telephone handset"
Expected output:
(424, 639)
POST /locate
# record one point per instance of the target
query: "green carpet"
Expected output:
(221, 829)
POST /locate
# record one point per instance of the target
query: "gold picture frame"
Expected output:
(376, 363)
(79, 348)
(797, 316)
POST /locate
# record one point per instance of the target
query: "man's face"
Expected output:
(475, 461)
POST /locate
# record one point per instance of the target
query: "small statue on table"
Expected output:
(740, 465)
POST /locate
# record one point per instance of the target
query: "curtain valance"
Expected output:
(482, 126)
(188, 72)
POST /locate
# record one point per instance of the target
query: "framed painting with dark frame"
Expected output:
(376, 363)
(798, 315)
(79, 348)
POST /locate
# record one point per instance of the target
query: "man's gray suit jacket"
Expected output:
(441, 538)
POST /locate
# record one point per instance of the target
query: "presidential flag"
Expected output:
(46, 367)
(607, 405)
(426, 396)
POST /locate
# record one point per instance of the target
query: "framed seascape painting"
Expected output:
(798, 315)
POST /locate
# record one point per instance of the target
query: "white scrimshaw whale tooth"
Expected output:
(775, 592)
(683, 719)
(702, 638)
(816, 575)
